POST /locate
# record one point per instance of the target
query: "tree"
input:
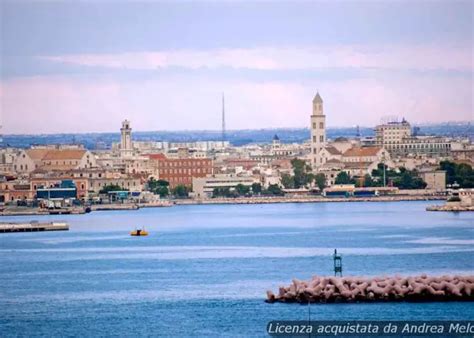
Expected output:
(256, 188)
(302, 173)
(163, 183)
(242, 189)
(320, 180)
(409, 180)
(159, 187)
(288, 181)
(462, 173)
(111, 187)
(274, 189)
(343, 178)
(162, 190)
(180, 191)
(368, 181)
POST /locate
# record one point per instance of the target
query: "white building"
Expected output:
(204, 186)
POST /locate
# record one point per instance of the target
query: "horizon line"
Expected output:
(219, 131)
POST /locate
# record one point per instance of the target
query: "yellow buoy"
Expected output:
(139, 232)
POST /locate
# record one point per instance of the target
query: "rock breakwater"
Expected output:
(376, 289)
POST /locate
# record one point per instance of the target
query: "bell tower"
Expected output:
(126, 138)
(318, 132)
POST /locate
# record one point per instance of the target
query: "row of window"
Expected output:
(197, 163)
(321, 125)
(321, 138)
(420, 146)
(185, 171)
(180, 180)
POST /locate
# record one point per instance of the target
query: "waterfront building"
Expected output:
(15, 190)
(180, 171)
(397, 138)
(132, 183)
(43, 179)
(66, 189)
(318, 132)
(203, 187)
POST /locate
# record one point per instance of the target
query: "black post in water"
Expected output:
(337, 263)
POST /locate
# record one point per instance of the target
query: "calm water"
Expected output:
(204, 270)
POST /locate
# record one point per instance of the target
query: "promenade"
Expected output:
(23, 211)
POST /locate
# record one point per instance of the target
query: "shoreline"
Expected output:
(22, 211)
(306, 199)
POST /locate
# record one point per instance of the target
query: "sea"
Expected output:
(204, 269)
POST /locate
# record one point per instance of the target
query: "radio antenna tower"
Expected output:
(223, 119)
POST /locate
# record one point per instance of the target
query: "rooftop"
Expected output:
(362, 151)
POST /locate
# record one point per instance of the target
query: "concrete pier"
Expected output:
(33, 227)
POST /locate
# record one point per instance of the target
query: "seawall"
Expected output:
(376, 289)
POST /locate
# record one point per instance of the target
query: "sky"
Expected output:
(84, 66)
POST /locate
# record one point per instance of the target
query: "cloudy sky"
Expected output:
(79, 66)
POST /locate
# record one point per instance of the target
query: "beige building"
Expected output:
(318, 132)
(127, 182)
(435, 179)
(365, 154)
(392, 133)
(53, 158)
(396, 137)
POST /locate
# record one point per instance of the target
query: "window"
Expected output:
(321, 125)
(321, 138)
(314, 139)
(314, 125)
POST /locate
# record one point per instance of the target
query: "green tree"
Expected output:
(302, 175)
(111, 187)
(288, 181)
(409, 180)
(163, 183)
(152, 184)
(159, 187)
(219, 192)
(256, 188)
(274, 189)
(462, 173)
(180, 191)
(242, 189)
(368, 181)
(320, 180)
(343, 178)
(162, 190)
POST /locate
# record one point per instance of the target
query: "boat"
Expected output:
(139, 232)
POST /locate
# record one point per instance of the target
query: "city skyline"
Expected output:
(102, 66)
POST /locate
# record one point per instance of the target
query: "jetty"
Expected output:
(376, 289)
(33, 226)
(450, 207)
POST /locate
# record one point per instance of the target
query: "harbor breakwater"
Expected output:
(310, 199)
(376, 289)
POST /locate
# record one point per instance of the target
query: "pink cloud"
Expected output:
(80, 104)
(423, 57)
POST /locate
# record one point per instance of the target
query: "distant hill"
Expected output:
(235, 137)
